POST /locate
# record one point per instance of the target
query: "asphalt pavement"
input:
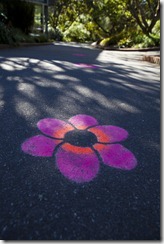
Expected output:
(109, 194)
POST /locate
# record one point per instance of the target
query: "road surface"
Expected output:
(45, 195)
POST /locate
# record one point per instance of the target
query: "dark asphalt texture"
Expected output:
(37, 201)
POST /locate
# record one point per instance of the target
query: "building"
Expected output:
(44, 11)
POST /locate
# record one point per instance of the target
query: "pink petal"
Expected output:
(76, 163)
(40, 146)
(116, 156)
(54, 127)
(91, 66)
(83, 121)
(109, 133)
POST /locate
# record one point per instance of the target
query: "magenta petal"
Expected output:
(76, 165)
(91, 66)
(109, 133)
(83, 121)
(54, 127)
(40, 146)
(79, 54)
(117, 156)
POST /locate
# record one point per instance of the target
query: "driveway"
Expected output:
(80, 144)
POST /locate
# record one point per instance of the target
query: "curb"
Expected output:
(5, 46)
(126, 49)
(149, 58)
(132, 49)
(152, 59)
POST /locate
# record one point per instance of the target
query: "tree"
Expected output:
(56, 11)
(72, 19)
(110, 15)
(146, 13)
(112, 19)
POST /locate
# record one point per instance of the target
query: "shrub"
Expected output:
(55, 35)
(76, 32)
(41, 38)
(125, 42)
(13, 36)
(6, 35)
(112, 40)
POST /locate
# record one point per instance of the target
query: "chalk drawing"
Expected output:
(79, 54)
(80, 146)
(88, 66)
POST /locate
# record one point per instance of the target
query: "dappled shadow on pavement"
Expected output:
(59, 82)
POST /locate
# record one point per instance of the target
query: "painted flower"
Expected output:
(88, 66)
(80, 145)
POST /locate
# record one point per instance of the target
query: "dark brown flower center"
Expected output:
(81, 138)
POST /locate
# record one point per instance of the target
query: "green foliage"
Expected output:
(133, 37)
(155, 35)
(95, 32)
(122, 39)
(125, 42)
(76, 32)
(112, 40)
(110, 15)
(55, 35)
(146, 13)
(6, 36)
(122, 23)
(156, 28)
(40, 38)
(112, 21)
(12, 36)
(144, 42)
